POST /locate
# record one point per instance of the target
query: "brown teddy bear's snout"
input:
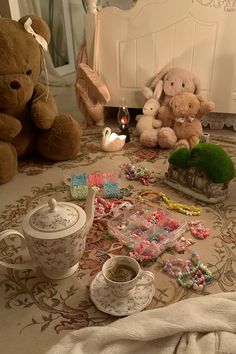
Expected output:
(15, 89)
(15, 85)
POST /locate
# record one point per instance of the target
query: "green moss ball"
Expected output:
(211, 158)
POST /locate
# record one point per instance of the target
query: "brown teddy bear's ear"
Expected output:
(200, 98)
(39, 26)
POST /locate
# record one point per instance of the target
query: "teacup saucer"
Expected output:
(106, 301)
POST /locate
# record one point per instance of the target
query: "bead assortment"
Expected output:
(146, 232)
(193, 273)
(198, 230)
(107, 182)
(111, 190)
(106, 207)
(141, 174)
(182, 244)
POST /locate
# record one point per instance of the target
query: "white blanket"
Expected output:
(205, 324)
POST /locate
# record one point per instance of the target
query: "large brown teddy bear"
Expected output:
(29, 120)
(188, 109)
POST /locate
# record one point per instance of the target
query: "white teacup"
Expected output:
(134, 273)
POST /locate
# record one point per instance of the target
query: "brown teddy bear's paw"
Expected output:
(182, 143)
(167, 138)
(10, 127)
(165, 115)
(62, 141)
(194, 140)
(8, 162)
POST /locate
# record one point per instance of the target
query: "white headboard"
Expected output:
(127, 48)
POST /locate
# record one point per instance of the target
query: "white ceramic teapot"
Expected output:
(55, 235)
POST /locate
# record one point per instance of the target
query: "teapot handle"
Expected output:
(27, 265)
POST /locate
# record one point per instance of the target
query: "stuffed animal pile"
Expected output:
(29, 119)
(180, 112)
(175, 81)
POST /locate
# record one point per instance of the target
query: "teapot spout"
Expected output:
(89, 207)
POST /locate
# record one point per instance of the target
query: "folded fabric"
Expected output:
(91, 92)
(201, 325)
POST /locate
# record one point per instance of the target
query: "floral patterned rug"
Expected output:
(36, 312)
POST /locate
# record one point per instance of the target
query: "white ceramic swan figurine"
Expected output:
(112, 141)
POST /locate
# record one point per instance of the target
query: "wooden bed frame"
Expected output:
(127, 48)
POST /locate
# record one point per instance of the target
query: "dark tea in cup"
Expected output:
(121, 273)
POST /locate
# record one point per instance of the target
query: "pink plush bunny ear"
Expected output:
(147, 92)
(158, 90)
(158, 77)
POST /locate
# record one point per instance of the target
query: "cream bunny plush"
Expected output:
(149, 127)
(148, 121)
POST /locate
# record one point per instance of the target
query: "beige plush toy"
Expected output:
(188, 110)
(148, 120)
(29, 119)
(175, 81)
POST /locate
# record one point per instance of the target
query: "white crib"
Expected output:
(128, 47)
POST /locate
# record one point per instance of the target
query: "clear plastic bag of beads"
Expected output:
(107, 182)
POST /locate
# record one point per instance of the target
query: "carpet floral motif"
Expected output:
(48, 306)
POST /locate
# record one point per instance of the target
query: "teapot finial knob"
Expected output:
(52, 204)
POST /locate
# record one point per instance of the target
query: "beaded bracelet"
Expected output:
(182, 208)
(190, 210)
(139, 173)
(194, 274)
(168, 267)
(201, 277)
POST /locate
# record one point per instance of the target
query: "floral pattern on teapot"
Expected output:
(56, 255)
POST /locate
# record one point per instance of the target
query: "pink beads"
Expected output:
(198, 230)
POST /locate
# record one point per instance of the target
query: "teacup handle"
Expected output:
(27, 265)
(149, 274)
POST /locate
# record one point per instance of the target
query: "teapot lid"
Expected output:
(55, 217)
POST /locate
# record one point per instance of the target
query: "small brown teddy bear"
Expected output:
(29, 120)
(175, 81)
(188, 110)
